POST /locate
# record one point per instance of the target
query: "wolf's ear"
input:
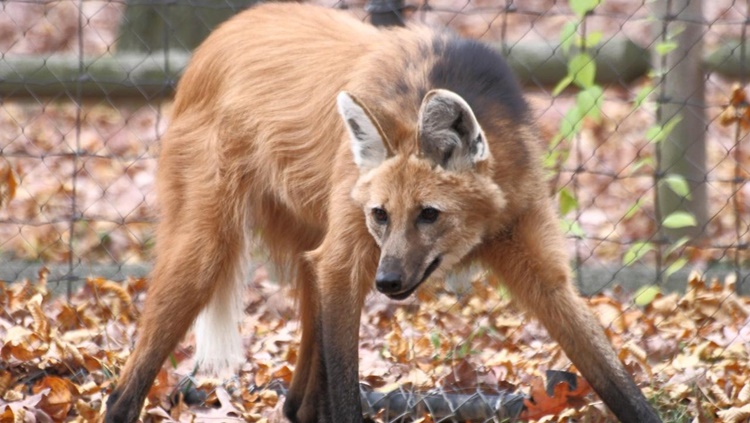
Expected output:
(369, 145)
(449, 133)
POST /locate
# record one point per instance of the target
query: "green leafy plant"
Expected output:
(655, 134)
(577, 44)
(581, 73)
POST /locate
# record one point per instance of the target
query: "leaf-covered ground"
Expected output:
(60, 359)
(111, 145)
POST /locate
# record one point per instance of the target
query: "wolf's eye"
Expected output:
(380, 215)
(429, 215)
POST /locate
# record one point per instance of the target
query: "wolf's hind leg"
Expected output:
(201, 249)
(301, 405)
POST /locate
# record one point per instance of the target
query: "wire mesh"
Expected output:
(86, 92)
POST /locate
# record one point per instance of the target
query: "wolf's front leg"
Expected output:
(345, 273)
(341, 308)
(534, 265)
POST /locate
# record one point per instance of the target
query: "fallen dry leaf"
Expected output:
(59, 398)
(26, 410)
(473, 342)
(8, 184)
(737, 111)
(735, 414)
(542, 404)
(226, 412)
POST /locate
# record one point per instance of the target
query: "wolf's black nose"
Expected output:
(388, 282)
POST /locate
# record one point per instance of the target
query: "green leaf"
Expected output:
(563, 84)
(582, 7)
(589, 102)
(638, 164)
(674, 267)
(676, 245)
(464, 350)
(572, 227)
(568, 202)
(656, 134)
(550, 159)
(665, 47)
(679, 219)
(435, 340)
(675, 29)
(653, 134)
(592, 39)
(678, 184)
(645, 295)
(656, 72)
(636, 252)
(583, 70)
(671, 123)
(632, 210)
(567, 36)
(571, 123)
(642, 95)
(502, 291)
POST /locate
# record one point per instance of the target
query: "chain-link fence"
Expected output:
(642, 105)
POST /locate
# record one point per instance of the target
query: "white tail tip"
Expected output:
(219, 349)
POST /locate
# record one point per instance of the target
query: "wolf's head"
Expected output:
(429, 206)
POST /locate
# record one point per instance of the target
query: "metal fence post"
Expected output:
(683, 152)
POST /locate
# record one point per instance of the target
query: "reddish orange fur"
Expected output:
(256, 142)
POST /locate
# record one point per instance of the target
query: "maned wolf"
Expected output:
(359, 157)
